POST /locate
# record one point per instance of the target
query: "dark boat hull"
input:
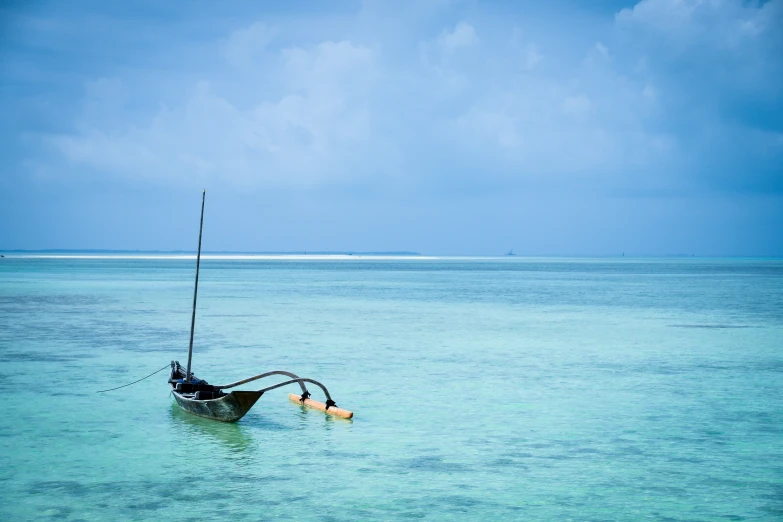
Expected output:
(226, 407)
(229, 408)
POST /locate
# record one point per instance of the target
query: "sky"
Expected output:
(452, 127)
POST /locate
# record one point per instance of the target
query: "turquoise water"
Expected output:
(484, 389)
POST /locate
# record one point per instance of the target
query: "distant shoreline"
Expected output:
(97, 251)
(213, 256)
(348, 256)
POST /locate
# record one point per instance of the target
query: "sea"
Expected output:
(510, 388)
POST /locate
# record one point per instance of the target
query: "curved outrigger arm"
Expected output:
(329, 407)
(329, 400)
(267, 374)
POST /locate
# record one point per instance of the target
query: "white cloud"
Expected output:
(463, 35)
(243, 46)
(299, 138)
(360, 110)
(497, 127)
(724, 24)
(531, 56)
(663, 14)
(597, 56)
(327, 64)
(577, 106)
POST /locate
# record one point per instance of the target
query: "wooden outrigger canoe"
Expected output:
(200, 398)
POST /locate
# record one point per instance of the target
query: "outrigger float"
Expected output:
(200, 398)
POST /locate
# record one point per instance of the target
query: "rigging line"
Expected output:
(134, 382)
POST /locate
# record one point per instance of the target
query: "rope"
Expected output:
(134, 382)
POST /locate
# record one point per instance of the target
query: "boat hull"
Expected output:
(229, 408)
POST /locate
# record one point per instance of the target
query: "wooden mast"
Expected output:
(195, 290)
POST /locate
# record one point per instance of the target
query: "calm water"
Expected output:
(496, 389)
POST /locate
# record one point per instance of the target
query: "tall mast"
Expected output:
(195, 290)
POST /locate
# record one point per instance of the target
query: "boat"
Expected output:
(197, 396)
(510, 252)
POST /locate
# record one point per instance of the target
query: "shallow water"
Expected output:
(484, 389)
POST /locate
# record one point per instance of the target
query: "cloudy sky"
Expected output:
(443, 127)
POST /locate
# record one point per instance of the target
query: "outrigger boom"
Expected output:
(200, 398)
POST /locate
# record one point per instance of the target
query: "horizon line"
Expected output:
(388, 253)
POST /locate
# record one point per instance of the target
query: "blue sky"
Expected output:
(444, 127)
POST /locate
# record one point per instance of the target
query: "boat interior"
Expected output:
(198, 389)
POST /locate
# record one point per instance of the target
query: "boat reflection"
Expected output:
(232, 435)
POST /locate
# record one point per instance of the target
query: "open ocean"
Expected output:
(483, 389)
